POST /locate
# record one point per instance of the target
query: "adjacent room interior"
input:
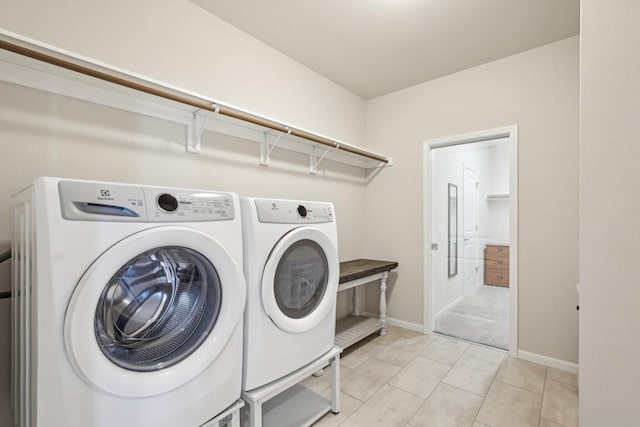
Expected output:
(470, 259)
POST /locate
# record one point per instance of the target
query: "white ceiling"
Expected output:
(373, 47)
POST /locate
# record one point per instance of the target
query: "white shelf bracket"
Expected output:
(266, 148)
(195, 129)
(314, 161)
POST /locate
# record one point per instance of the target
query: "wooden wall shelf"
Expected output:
(36, 65)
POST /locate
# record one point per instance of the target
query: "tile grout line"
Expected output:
(466, 391)
(419, 406)
(563, 382)
(543, 397)
(544, 387)
(520, 388)
(414, 358)
(341, 391)
(484, 399)
(440, 361)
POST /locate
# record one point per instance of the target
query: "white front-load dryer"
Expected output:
(129, 305)
(292, 272)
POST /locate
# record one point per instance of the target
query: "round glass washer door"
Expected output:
(153, 311)
(158, 308)
(300, 279)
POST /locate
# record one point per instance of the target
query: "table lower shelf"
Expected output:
(352, 329)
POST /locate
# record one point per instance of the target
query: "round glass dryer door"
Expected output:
(153, 311)
(300, 279)
(158, 308)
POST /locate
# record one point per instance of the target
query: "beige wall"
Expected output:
(609, 212)
(536, 90)
(176, 42)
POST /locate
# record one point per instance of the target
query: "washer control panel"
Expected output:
(293, 212)
(91, 201)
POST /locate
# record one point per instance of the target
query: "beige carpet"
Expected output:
(482, 317)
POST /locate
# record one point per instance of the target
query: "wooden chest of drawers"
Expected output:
(496, 265)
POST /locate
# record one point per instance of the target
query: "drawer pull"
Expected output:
(499, 262)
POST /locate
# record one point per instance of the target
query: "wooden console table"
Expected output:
(355, 273)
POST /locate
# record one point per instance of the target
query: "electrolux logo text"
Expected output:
(105, 195)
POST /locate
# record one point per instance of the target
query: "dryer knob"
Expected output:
(167, 202)
(302, 211)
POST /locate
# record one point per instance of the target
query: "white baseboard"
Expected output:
(563, 365)
(548, 361)
(401, 323)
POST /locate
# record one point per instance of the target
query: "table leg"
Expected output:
(255, 414)
(383, 303)
(335, 384)
(356, 302)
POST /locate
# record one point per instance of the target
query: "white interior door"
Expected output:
(470, 226)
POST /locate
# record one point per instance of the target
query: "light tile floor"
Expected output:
(409, 379)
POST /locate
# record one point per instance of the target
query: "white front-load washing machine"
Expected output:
(128, 307)
(292, 272)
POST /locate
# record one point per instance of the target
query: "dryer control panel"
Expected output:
(293, 212)
(92, 201)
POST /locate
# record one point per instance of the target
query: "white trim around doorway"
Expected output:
(510, 132)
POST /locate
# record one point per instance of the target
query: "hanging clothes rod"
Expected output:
(197, 103)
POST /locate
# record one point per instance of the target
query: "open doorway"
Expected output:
(471, 237)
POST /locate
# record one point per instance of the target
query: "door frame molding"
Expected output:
(510, 132)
